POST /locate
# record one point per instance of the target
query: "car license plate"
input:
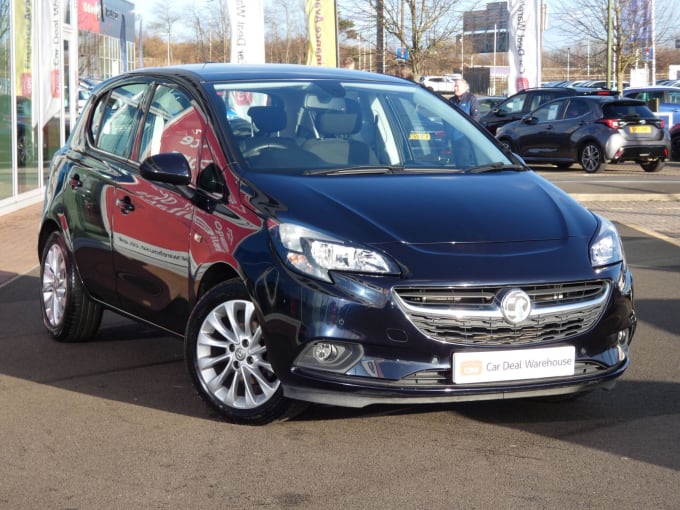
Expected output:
(418, 136)
(492, 366)
(640, 129)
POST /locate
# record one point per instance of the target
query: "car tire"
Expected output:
(226, 357)
(653, 166)
(675, 148)
(69, 314)
(591, 157)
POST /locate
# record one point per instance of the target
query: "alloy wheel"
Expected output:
(54, 285)
(231, 357)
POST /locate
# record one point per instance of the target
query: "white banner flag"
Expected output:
(524, 55)
(51, 60)
(247, 31)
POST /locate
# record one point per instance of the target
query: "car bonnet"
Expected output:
(425, 209)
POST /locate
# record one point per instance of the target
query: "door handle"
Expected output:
(75, 182)
(125, 205)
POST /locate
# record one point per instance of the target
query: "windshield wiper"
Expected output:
(357, 170)
(495, 167)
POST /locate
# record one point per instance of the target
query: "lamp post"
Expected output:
(568, 55)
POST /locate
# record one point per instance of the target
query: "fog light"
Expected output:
(623, 337)
(325, 352)
(337, 357)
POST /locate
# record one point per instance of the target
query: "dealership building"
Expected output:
(51, 53)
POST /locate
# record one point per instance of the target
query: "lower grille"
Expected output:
(473, 316)
(439, 378)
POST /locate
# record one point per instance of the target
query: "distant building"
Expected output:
(483, 27)
(49, 49)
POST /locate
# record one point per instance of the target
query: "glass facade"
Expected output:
(48, 50)
(6, 132)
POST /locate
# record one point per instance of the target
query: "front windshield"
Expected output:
(313, 126)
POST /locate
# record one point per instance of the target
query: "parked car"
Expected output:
(667, 99)
(334, 252)
(487, 103)
(441, 84)
(675, 142)
(518, 105)
(590, 130)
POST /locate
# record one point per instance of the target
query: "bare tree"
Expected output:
(285, 22)
(164, 20)
(424, 27)
(588, 20)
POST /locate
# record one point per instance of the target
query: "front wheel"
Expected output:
(227, 360)
(68, 312)
(653, 166)
(675, 148)
(591, 157)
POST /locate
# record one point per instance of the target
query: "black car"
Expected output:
(590, 130)
(675, 142)
(518, 105)
(322, 235)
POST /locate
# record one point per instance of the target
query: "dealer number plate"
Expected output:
(640, 129)
(513, 365)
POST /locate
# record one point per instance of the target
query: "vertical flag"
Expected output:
(123, 43)
(322, 33)
(247, 31)
(524, 56)
(23, 30)
(51, 59)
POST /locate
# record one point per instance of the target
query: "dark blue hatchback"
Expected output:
(329, 236)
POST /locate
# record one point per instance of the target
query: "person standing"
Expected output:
(464, 99)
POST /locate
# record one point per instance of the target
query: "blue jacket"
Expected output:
(468, 103)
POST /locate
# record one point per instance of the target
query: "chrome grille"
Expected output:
(472, 315)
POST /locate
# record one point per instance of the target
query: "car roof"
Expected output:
(652, 88)
(236, 72)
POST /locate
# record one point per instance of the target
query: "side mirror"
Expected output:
(169, 168)
(528, 119)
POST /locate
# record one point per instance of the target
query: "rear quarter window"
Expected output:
(113, 122)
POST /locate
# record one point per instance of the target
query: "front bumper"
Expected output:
(356, 394)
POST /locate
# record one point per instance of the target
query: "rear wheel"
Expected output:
(591, 157)
(68, 312)
(653, 166)
(227, 359)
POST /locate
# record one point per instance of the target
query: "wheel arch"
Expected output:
(46, 229)
(214, 275)
(590, 139)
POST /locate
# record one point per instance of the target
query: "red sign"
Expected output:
(88, 15)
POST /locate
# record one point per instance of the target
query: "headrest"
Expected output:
(345, 122)
(268, 119)
(333, 123)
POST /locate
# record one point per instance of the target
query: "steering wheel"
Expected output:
(265, 144)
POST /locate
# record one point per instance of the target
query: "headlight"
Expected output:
(315, 254)
(606, 247)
